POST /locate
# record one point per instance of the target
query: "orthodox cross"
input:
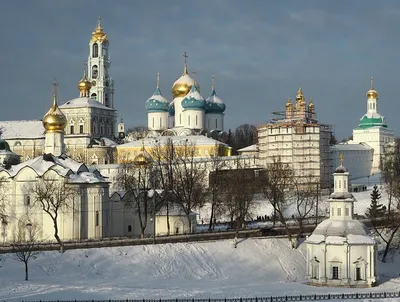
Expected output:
(55, 87)
(158, 80)
(341, 158)
(99, 22)
(372, 82)
(185, 56)
(212, 82)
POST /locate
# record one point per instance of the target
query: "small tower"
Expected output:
(300, 107)
(121, 129)
(84, 86)
(157, 110)
(289, 109)
(372, 98)
(214, 110)
(54, 123)
(102, 88)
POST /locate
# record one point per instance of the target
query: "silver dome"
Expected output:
(341, 228)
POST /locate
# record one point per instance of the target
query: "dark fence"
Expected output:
(314, 297)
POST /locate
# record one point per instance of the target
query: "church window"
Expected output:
(101, 129)
(71, 129)
(339, 212)
(196, 120)
(107, 100)
(358, 273)
(97, 218)
(180, 118)
(153, 121)
(94, 96)
(346, 212)
(129, 228)
(332, 212)
(95, 50)
(344, 184)
(95, 71)
(335, 272)
(189, 120)
(335, 184)
(80, 129)
(216, 123)
(340, 184)
(160, 122)
(27, 200)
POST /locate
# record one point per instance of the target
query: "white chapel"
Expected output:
(341, 251)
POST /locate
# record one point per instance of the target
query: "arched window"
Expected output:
(28, 201)
(160, 122)
(95, 71)
(129, 228)
(95, 50)
(189, 120)
(97, 218)
(153, 121)
(196, 120)
(216, 123)
(340, 184)
(94, 96)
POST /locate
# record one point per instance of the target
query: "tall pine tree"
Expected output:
(376, 209)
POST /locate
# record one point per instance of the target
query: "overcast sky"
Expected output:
(260, 53)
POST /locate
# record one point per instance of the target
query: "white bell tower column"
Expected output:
(98, 66)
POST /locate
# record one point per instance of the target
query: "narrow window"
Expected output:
(129, 228)
(335, 272)
(344, 184)
(346, 212)
(189, 120)
(358, 273)
(95, 72)
(107, 100)
(97, 218)
(153, 122)
(160, 122)
(71, 129)
(180, 118)
(28, 201)
(196, 120)
(340, 184)
(95, 50)
(339, 211)
(216, 123)
(80, 129)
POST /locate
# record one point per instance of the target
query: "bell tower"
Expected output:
(98, 67)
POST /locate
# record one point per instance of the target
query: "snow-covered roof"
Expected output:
(107, 142)
(341, 228)
(22, 129)
(185, 79)
(351, 239)
(351, 147)
(63, 165)
(84, 102)
(252, 148)
(197, 140)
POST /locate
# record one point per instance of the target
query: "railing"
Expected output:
(310, 297)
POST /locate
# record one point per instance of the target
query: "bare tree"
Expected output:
(54, 197)
(277, 186)
(189, 175)
(305, 196)
(24, 245)
(137, 179)
(390, 167)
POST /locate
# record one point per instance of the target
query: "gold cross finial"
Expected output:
(185, 56)
(158, 80)
(55, 90)
(341, 158)
(99, 22)
(372, 82)
(213, 82)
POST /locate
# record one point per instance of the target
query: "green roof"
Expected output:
(368, 122)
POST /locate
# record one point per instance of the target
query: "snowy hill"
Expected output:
(257, 268)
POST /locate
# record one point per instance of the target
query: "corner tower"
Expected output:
(102, 85)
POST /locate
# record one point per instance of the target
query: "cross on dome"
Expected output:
(158, 80)
(372, 82)
(55, 88)
(341, 158)
(213, 82)
(185, 56)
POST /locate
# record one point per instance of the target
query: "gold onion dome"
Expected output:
(54, 120)
(300, 96)
(372, 93)
(289, 103)
(99, 35)
(143, 159)
(311, 104)
(84, 84)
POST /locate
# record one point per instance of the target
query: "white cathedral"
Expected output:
(189, 113)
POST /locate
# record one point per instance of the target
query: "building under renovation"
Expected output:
(296, 137)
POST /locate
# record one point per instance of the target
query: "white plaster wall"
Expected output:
(214, 121)
(178, 225)
(157, 120)
(193, 119)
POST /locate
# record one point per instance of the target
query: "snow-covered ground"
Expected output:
(257, 268)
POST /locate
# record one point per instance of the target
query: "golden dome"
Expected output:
(84, 85)
(310, 104)
(99, 35)
(183, 85)
(289, 103)
(143, 159)
(54, 120)
(372, 93)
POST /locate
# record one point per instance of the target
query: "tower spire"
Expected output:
(212, 82)
(185, 71)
